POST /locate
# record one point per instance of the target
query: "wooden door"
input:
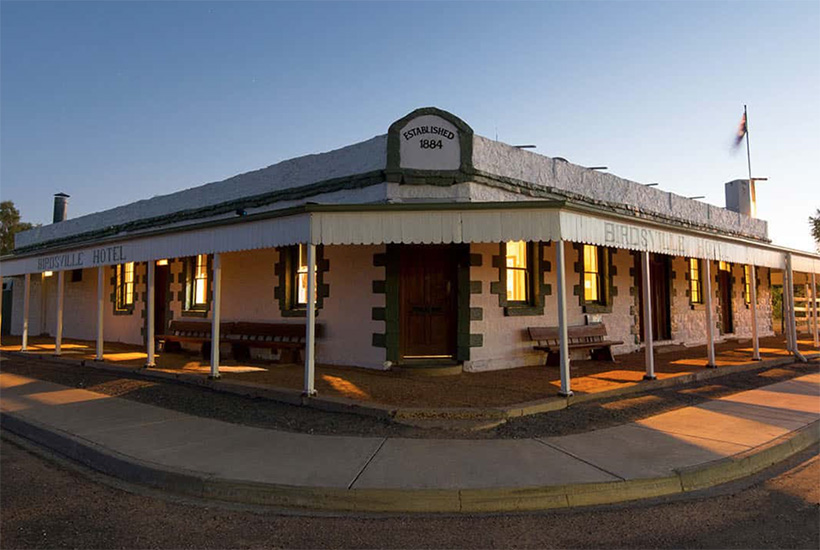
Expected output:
(427, 302)
(725, 289)
(160, 298)
(659, 289)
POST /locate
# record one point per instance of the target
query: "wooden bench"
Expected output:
(241, 335)
(195, 332)
(591, 337)
(283, 336)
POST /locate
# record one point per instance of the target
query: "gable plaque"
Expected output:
(429, 142)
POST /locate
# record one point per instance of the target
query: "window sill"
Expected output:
(302, 312)
(126, 311)
(597, 308)
(698, 307)
(194, 313)
(523, 311)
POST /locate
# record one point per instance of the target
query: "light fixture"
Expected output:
(162, 262)
(48, 273)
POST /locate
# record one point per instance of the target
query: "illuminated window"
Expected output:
(292, 273)
(124, 286)
(747, 284)
(695, 282)
(725, 266)
(518, 273)
(300, 281)
(196, 283)
(593, 292)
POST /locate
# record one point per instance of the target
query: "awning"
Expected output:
(418, 224)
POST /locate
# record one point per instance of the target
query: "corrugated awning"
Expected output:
(419, 224)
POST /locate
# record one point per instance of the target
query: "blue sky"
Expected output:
(119, 101)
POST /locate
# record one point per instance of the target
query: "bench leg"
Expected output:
(206, 350)
(240, 352)
(553, 359)
(170, 346)
(603, 354)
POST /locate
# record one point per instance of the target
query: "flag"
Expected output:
(741, 131)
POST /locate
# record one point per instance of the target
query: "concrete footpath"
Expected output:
(682, 450)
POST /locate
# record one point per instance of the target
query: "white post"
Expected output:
(216, 317)
(792, 316)
(808, 304)
(26, 294)
(310, 323)
(710, 322)
(566, 389)
(753, 297)
(150, 361)
(787, 309)
(58, 340)
(100, 311)
(814, 309)
(647, 318)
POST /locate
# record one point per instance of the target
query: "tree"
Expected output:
(10, 225)
(814, 221)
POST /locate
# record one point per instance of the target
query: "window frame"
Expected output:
(695, 284)
(123, 299)
(599, 274)
(287, 271)
(529, 275)
(191, 279)
(296, 273)
(604, 274)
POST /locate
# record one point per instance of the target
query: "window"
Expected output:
(695, 282)
(124, 289)
(76, 275)
(300, 276)
(593, 261)
(725, 266)
(292, 273)
(518, 272)
(196, 291)
(747, 284)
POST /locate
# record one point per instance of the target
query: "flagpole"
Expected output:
(749, 162)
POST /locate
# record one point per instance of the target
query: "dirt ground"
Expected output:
(485, 389)
(263, 413)
(46, 505)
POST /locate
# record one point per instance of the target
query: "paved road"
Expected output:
(45, 505)
(652, 447)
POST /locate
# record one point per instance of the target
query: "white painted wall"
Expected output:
(80, 308)
(347, 312)
(249, 280)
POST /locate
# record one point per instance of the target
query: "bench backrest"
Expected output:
(291, 332)
(594, 332)
(286, 331)
(192, 328)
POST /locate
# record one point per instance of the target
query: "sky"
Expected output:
(119, 101)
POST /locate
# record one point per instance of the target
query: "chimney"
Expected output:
(60, 207)
(739, 197)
